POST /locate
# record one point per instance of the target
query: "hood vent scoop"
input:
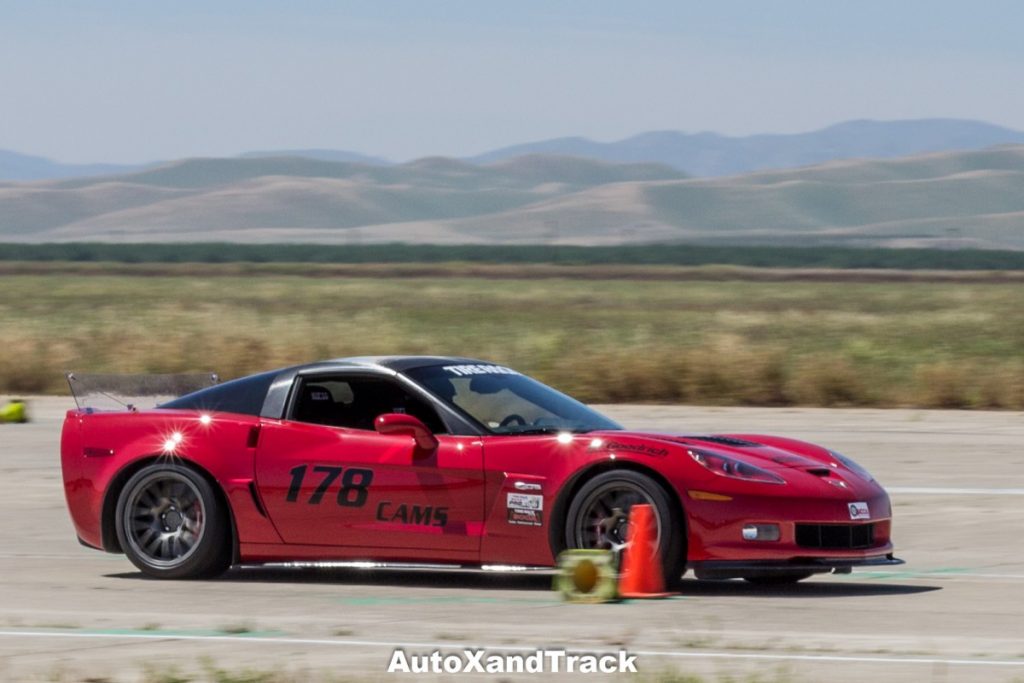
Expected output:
(820, 471)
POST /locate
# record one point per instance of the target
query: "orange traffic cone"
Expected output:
(641, 567)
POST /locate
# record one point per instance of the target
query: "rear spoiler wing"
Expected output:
(132, 392)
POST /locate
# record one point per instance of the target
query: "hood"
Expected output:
(765, 452)
(757, 452)
(771, 453)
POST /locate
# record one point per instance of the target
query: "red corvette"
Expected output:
(453, 460)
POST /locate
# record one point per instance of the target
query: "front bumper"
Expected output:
(735, 569)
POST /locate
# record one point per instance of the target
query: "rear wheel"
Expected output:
(598, 517)
(171, 524)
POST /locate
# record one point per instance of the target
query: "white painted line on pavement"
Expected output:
(989, 576)
(508, 648)
(942, 491)
(911, 575)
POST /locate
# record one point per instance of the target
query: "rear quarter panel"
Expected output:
(100, 451)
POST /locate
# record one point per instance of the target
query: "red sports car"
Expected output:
(449, 460)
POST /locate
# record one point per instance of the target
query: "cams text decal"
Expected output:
(403, 513)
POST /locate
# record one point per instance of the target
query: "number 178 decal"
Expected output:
(355, 483)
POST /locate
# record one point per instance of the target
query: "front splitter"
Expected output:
(726, 569)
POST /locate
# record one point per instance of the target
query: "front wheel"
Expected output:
(171, 524)
(598, 517)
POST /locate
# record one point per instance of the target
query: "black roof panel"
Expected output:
(403, 363)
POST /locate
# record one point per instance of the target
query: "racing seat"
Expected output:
(316, 405)
(366, 407)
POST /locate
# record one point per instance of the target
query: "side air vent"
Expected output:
(256, 499)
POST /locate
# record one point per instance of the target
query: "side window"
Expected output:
(355, 402)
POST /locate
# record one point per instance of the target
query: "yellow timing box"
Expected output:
(587, 576)
(15, 411)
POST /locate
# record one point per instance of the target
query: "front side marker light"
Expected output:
(708, 495)
(761, 532)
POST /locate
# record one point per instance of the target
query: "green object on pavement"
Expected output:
(15, 411)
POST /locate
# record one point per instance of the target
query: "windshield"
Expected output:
(506, 402)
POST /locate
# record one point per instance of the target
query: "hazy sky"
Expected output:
(98, 80)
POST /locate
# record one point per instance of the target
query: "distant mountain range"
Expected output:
(710, 154)
(697, 154)
(15, 166)
(945, 199)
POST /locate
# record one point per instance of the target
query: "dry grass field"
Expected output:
(730, 338)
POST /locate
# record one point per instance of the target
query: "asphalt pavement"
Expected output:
(954, 612)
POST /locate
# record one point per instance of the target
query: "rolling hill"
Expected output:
(320, 155)
(249, 198)
(969, 199)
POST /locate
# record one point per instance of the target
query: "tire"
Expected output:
(588, 523)
(171, 523)
(778, 579)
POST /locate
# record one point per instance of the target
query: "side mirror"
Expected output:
(399, 423)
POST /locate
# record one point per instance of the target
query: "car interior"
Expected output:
(355, 402)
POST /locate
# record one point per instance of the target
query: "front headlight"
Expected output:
(725, 466)
(852, 466)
